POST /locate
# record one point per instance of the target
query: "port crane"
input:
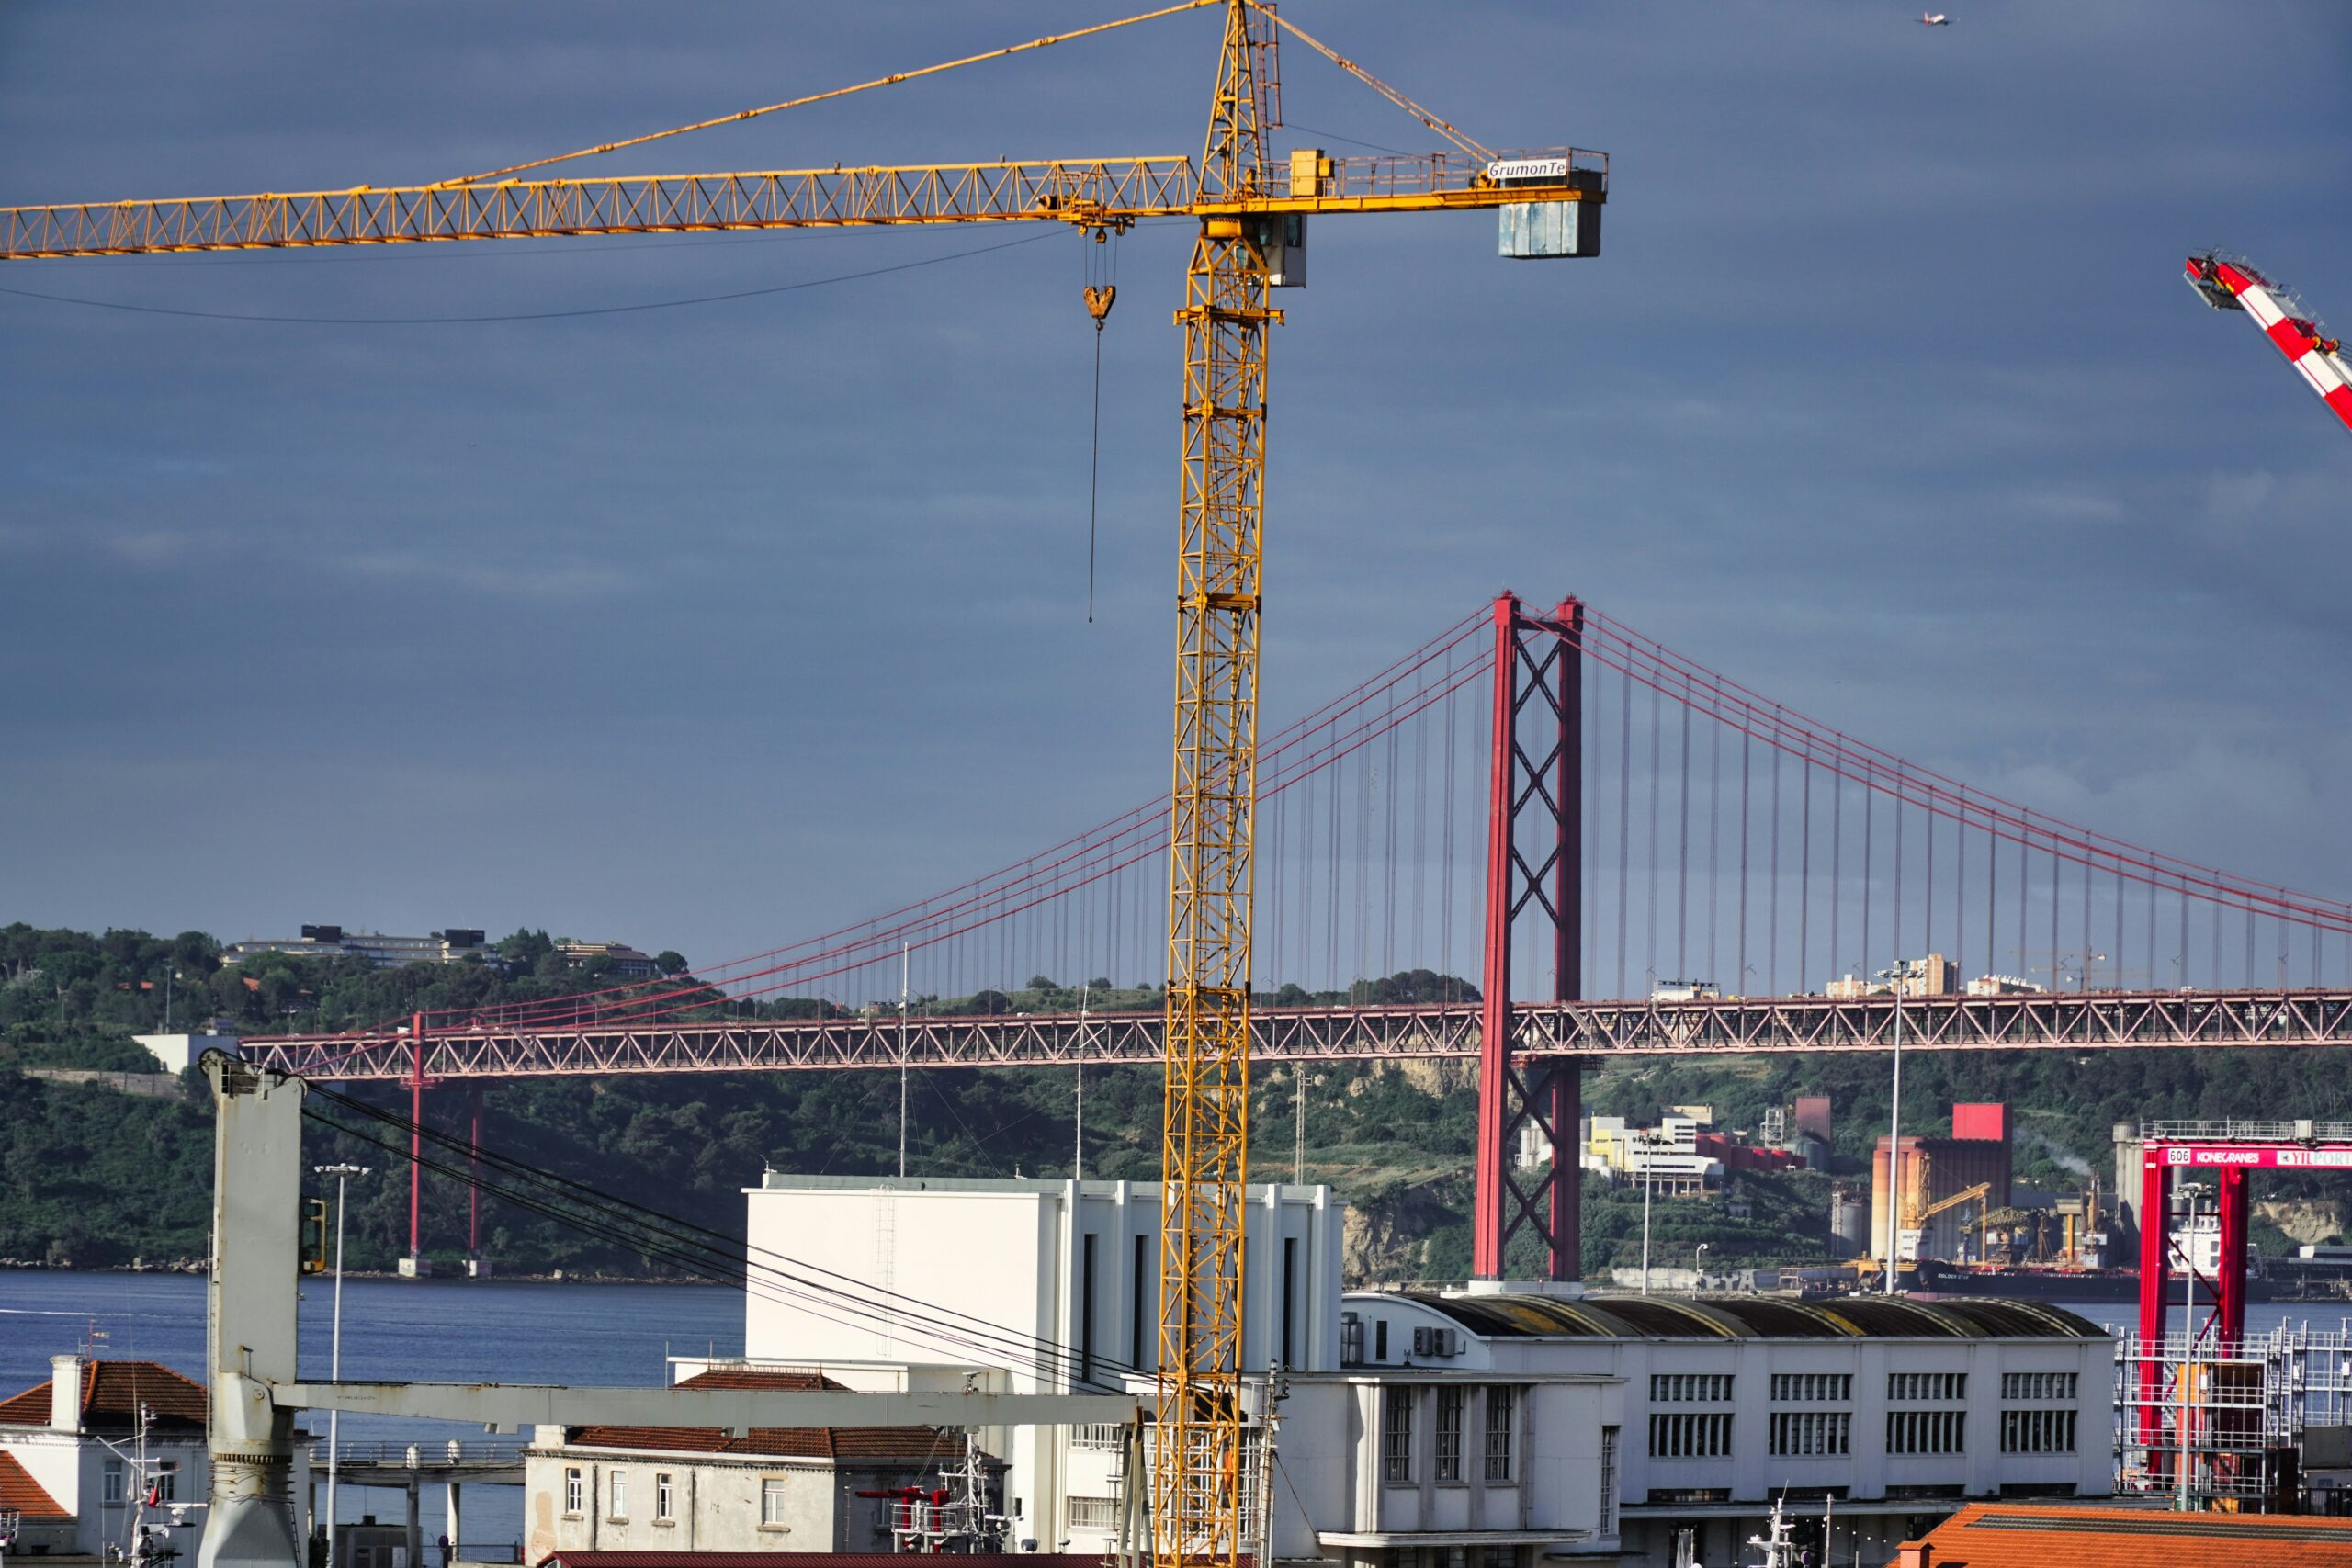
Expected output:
(1249, 206)
(2230, 283)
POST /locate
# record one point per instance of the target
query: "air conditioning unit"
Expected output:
(1421, 1337)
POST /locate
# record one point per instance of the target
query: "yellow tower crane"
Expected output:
(1252, 208)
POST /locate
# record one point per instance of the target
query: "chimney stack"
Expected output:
(65, 1394)
(1915, 1554)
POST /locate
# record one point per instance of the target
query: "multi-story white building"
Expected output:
(79, 1453)
(1051, 1287)
(1519, 1425)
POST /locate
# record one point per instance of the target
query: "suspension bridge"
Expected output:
(1632, 852)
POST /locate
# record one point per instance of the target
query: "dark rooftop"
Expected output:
(1509, 1316)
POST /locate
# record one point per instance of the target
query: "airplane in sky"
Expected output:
(1934, 19)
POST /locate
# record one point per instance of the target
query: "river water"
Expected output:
(488, 1331)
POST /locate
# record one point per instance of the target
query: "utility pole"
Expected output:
(1894, 1134)
(342, 1174)
(1298, 1131)
(1648, 1138)
(904, 952)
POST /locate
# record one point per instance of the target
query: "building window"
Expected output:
(774, 1502)
(1813, 1388)
(1811, 1433)
(1138, 1291)
(616, 1491)
(2055, 1386)
(1351, 1340)
(1502, 1411)
(1396, 1433)
(1690, 1388)
(1925, 1431)
(664, 1496)
(1093, 1513)
(1380, 1340)
(1609, 1480)
(167, 1480)
(1099, 1435)
(1449, 1434)
(2037, 1431)
(1691, 1436)
(1918, 1387)
(114, 1484)
(574, 1496)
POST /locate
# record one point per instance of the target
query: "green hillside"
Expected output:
(98, 1176)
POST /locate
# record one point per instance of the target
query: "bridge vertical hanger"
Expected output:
(1534, 856)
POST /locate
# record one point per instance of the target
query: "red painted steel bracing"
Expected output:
(2229, 1161)
(1534, 859)
(2229, 1292)
(2156, 1236)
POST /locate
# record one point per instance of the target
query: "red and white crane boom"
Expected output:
(2230, 283)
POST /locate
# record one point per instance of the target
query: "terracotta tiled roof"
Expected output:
(838, 1443)
(112, 1393)
(810, 1559)
(20, 1494)
(2013, 1535)
(757, 1378)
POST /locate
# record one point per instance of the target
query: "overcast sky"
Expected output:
(708, 627)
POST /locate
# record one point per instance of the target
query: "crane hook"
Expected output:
(1098, 302)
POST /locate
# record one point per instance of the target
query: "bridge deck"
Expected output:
(2075, 1022)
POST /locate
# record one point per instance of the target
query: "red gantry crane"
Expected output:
(1249, 206)
(2230, 283)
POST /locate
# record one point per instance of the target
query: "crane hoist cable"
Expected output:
(1102, 262)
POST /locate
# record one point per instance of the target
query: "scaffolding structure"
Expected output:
(2219, 1424)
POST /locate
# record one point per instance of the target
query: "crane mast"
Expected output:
(1196, 1476)
(1250, 210)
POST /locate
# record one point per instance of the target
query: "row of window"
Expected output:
(1397, 1447)
(1903, 1387)
(665, 1495)
(2038, 1385)
(1809, 1433)
(1692, 1435)
(1813, 1388)
(1925, 1431)
(2037, 1431)
(1690, 1388)
(1829, 1433)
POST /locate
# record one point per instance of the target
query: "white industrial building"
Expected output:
(1524, 1424)
(1024, 1264)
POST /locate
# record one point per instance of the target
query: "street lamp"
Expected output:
(342, 1174)
(1894, 1130)
(1648, 1138)
(1698, 1268)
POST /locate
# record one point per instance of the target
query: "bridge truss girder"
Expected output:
(2076, 1021)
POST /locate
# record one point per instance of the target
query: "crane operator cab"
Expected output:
(1538, 230)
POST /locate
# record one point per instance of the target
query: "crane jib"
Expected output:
(1076, 191)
